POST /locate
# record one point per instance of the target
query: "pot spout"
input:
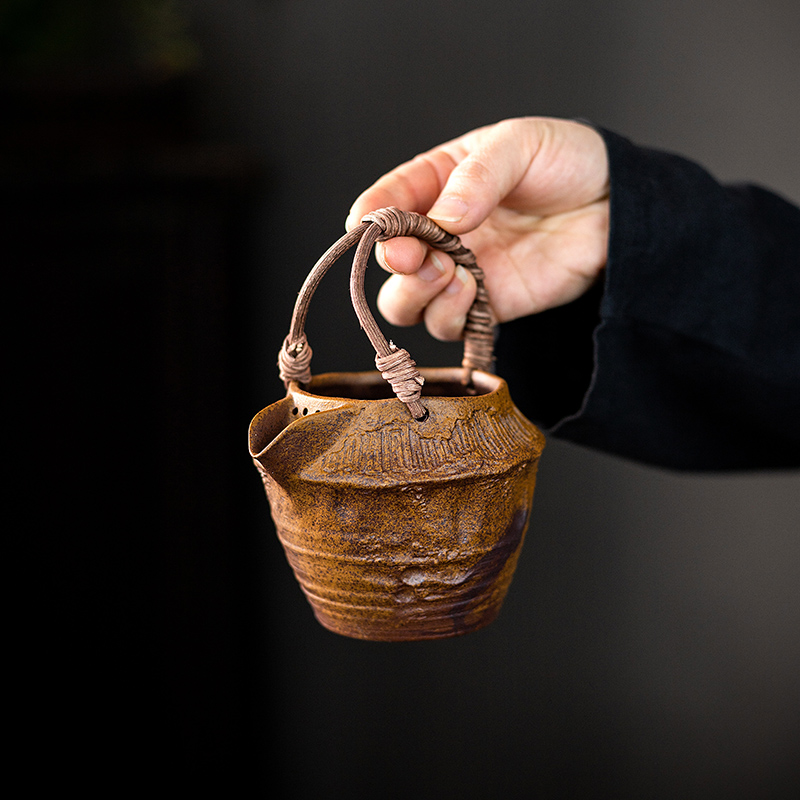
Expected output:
(290, 434)
(265, 439)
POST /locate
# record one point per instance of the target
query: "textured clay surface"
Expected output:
(398, 529)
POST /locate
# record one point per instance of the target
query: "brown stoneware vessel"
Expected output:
(402, 519)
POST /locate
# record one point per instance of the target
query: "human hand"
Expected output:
(528, 196)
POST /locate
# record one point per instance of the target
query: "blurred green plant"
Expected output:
(42, 35)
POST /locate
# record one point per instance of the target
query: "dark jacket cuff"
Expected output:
(686, 354)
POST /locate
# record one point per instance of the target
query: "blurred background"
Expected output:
(174, 170)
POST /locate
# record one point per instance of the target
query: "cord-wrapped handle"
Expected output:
(395, 364)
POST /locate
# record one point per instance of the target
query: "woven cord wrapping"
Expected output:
(395, 364)
(294, 361)
(479, 330)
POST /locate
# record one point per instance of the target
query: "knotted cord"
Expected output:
(395, 364)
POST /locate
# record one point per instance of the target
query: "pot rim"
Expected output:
(486, 384)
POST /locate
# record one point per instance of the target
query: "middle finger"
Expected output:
(402, 298)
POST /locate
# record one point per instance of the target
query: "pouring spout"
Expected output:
(265, 434)
(285, 437)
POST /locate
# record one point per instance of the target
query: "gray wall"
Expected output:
(649, 646)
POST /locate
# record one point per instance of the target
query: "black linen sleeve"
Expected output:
(687, 354)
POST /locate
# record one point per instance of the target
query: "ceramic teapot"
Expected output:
(401, 496)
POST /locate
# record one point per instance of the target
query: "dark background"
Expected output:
(176, 170)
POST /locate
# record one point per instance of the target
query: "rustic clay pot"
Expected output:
(399, 528)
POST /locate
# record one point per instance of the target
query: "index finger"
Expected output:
(413, 186)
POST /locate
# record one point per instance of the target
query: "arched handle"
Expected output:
(396, 365)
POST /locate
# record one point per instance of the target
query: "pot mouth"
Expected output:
(439, 382)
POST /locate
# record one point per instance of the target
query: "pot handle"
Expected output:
(395, 364)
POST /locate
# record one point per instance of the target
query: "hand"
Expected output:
(528, 196)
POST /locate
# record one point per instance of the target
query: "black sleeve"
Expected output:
(687, 354)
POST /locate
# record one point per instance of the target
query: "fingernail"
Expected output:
(458, 325)
(459, 281)
(380, 254)
(431, 269)
(449, 209)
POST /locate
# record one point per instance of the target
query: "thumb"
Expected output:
(490, 164)
(473, 190)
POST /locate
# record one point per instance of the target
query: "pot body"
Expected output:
(398, 529)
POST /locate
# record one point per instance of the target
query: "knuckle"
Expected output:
(474, 171)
